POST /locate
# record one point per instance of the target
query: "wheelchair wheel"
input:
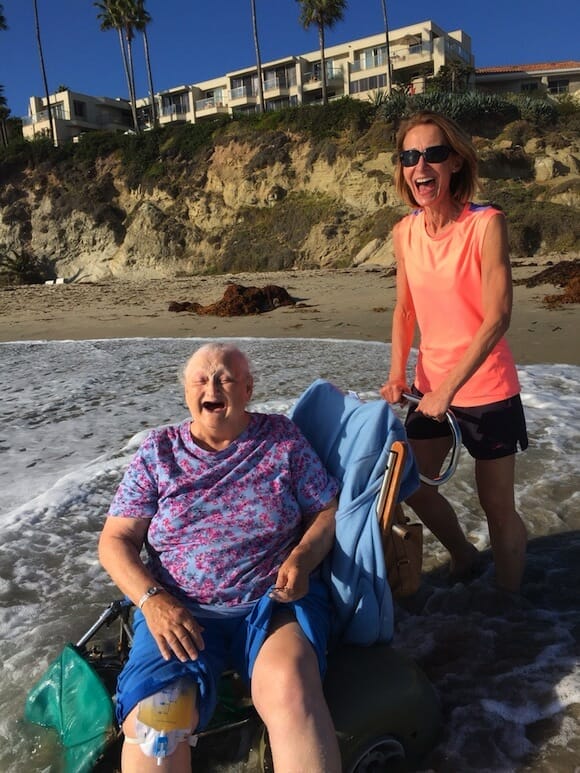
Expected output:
(377, 756)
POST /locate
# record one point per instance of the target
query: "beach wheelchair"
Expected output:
(385, 711)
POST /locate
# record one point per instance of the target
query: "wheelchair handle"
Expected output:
(456, 448)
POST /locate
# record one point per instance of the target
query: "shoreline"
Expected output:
(348, 304)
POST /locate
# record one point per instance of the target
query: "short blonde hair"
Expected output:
(465, 181)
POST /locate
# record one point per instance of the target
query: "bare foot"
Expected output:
(466, 567)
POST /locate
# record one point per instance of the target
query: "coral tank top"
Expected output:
(444, 276)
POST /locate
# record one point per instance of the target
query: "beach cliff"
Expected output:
(261, 200)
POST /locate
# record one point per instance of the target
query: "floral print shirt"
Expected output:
(222, 522)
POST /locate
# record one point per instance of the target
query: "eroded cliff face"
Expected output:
(316, 209)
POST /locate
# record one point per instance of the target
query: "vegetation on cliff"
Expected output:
(302, 187)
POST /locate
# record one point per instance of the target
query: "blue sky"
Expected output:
(192, 41)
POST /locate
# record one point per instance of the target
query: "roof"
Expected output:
(541, 67)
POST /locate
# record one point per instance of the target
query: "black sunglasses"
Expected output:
(436, 154)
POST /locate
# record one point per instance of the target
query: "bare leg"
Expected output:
(434, 510)
(134, 761)
(287, 693)
(507, 532)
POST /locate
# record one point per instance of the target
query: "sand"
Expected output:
(353, 304)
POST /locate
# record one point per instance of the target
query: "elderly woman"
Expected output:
(236, 512)
(454, 283)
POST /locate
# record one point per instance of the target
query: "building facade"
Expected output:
(73, 114)
(555, 78)
(357, 69)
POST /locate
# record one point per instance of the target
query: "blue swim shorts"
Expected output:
(231, 642)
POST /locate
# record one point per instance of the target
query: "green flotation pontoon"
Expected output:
(385, 710)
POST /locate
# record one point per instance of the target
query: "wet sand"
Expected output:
(354, 304)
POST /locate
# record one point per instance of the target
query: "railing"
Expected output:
(240, 92)
(276, 83)
(210, 103)
(168, 111)
(453, 47)
(369, 62)
(58, 114)
(420, 49)
(332, 73)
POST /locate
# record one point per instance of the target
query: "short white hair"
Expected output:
(222, 349)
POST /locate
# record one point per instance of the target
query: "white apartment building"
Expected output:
(357, 69)
(73, 114)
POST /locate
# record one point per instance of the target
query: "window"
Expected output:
(79, 108)
(373, 57)
(243, 86)
(558, 86)
(532, 86)
(369, 84)
(58, 111)
(174, 104)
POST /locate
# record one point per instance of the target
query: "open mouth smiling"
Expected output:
(424, 182)
(212, 407)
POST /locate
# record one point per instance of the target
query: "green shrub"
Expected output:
(187, 140)
(94, 145)
(272, 148)
(539, 112)
(23, 268)
(567, 105)
(477, 113)
(377, 225)
(321, 122)
(270, 238)
(535, 225)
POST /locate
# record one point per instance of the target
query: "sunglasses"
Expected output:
(436, 154)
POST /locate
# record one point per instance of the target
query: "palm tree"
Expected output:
(388, 51)
(4, 112)
(323, 13)
(141, 20)
(43, 70)
(118, 15)
(258, 57)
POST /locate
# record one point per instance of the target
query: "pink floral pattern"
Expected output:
(223, 522)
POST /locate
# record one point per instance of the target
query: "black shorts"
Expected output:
(488, 431)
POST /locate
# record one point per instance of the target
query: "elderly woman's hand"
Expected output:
(174, 629)
(292, 580)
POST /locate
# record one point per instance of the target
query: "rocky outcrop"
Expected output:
(198, 217)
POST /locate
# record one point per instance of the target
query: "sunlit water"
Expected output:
(72, 414)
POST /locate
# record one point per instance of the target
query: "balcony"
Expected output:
(452, 47)
(242, 96)
(275, 86)
(423, 50)
(369, 63)
(210, 106)
(173, 112)
(57, 113)
(312, 78)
